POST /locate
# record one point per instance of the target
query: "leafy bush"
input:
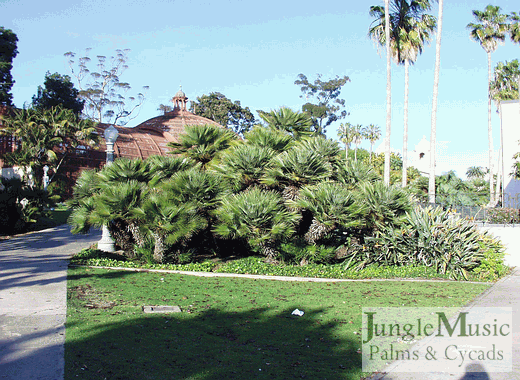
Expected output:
(431, 237)
(503, 216)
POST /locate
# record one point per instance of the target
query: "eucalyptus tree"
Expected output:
(489, 30)
(372, 133)
(410, 30)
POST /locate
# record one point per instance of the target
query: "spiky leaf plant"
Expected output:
(353, 173)
(164, 167)
(258, 216)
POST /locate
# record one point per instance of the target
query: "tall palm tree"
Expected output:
(410, 30)
(433, 133)
(357, 134)
(345, 136)
(372, 133)
(490, 29)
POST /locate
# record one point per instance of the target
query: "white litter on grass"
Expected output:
(297, 312)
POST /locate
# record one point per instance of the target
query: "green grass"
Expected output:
(229, 328)
(57, 217)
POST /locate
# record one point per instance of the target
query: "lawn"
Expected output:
(229, 328)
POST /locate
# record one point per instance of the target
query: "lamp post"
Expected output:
(45, 177)
(106, 243)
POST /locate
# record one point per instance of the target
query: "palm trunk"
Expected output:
(490, 135)
(388, 94)
(433, 133)
(405, 123)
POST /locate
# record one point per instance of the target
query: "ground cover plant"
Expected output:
(229, 327)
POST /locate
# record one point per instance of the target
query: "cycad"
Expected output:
(202, 142)
(259, 217)
(244, 165)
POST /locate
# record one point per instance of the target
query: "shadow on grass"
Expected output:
(212, 344)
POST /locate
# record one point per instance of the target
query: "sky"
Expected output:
(254, 51)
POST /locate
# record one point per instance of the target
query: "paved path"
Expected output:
(33, 283)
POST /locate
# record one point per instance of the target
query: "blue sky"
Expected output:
(254, 51)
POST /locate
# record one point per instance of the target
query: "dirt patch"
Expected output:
(91, 298)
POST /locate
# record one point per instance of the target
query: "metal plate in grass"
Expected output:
(161, 309)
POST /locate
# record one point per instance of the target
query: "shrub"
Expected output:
(503, 216)
(434, 238)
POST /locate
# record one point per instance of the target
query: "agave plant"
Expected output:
(331, 205)
(430, 237)
(244, 165)
(258, 216)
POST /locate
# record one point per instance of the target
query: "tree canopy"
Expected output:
(104, 93)
(325, 106)
(58, 90)
(8, 52)
(222, 110)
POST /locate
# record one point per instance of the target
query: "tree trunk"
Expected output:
(433, 133)
(388, 94)
(490, 135)
(405, 123)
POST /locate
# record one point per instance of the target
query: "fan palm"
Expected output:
(299, 166)
(244, 165)
(385, 205)
(345, 136)
(272, 138)
(259, 217)
(410, 30)
(356, 172)
(164, 167)
(489, 30)
(298, 124)
(327, 149)
(372, 133)
(202, 142)
(332, 205)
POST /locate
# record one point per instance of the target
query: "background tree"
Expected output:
(490, 29)
(357, 134)
(164, 108)
(105, 95)
(327, 106)
(227, 113)
(8, 52)
(372, 133)
(514, 31)
(345, 136)
(47, 136)
(58, 90)
(475, 172)
(504, 85)
(410, 29)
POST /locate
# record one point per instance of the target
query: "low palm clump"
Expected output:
(288, 199)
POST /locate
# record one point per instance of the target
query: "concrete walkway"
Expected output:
(33, 288)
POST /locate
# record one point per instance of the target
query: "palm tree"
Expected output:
(475, 172)
(202, 142)
(410, 29)
(372, 133)
(433, 133)
(490, 29)
(298, 124)
(357, 136)
(272, 138)
(345, 136)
